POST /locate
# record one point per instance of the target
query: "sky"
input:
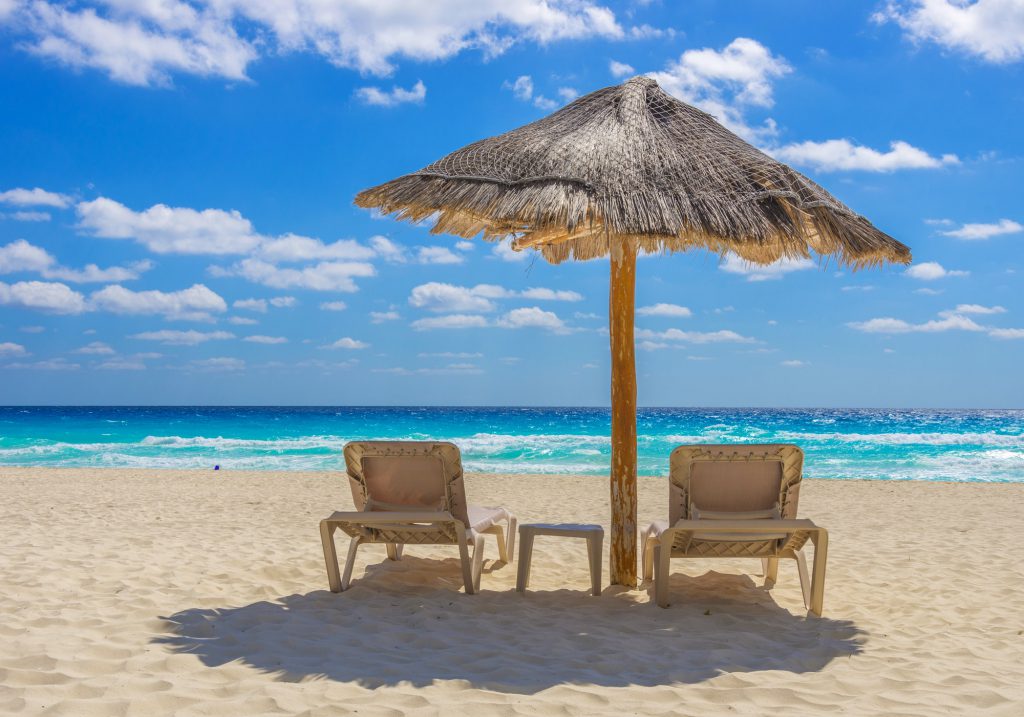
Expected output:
(177, 222)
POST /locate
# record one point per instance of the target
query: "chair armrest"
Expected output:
(370, 518)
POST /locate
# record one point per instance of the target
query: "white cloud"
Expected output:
(725, 83)
(451, 321)
(183, 338)
(21, 256)
(218, 363)
(568, 94)
(379, 317)
(195, 303)
(257, 305)
(34, 198)
(242, 321)
(985, 231)
(931, 270)
(465, 245)
(620, 69)
(531, 317)
(974, 309)
(144, 43)
(522, 88)
(259, 339)
(348, 343)
(283, 302)
(29, 216)
(928, 291)
(694, 337)
(96, 348)
(889, 325)
(794, 363)
(294, 248)
(1006, 333)
(43, 296)
(664, 310)
(334, 306)
(842, 154)
(452, 355)
(437, 255)
(395, 96)
(990, 29)
(435, 296)
(504, 251)
(542, 294)
(119, 364)
(32, 329)
(9, 348)
(651, 345)
(387, 249)
(763, 272)
(325, 276)
(170, 230)
(58, 364)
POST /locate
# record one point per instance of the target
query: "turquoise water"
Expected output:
(975, 445)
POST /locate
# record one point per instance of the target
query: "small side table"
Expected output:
(593, 534)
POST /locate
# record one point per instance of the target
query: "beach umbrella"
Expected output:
(623, 170)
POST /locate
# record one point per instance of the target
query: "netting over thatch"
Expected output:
(632, 163)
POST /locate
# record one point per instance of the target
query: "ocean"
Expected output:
(947, 445)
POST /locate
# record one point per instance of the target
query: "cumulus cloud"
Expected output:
(504, 251)
(334, 306)
(146, 43)
(438, 255)
(435, 296)
(260, 339)
(170, 230)
(183, 338)
(34, 198)
(42, 296)
(726, 82)
(793, 363)
(620, 69)
(889, 325)
(664, 310)
(974, 309)
(842, 154)
(24, 216)
(451, 321)
(295, 248)
(58, 364)
(990, 29)
(348, 343)
(531, 317)
(9, 348)
(323, 276)
(96, 348)
(395, 96)
(379, 317)
(19, 256)
(194, 303)
(733, 264)
(694, 337)
(387, 249)
(985, 231)
(218, 363)
(1006, 333)
(932, 270)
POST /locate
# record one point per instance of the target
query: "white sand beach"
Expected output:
(142, 592)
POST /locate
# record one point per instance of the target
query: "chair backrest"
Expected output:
(406, 475)
(734, 479)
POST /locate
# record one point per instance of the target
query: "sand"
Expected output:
(131, 592)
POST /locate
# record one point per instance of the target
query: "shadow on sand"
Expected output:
(406, 623)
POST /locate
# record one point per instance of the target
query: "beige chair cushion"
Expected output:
(404, 482)
(735, 486)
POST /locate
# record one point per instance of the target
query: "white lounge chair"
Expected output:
(412, 492)
(736, 501)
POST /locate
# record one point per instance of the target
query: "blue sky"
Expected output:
(177, 226)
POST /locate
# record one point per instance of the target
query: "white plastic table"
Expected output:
(593, 534)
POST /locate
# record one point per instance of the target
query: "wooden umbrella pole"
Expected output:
(622, 556)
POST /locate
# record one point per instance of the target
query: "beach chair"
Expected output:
(736, 501)
(412, 493)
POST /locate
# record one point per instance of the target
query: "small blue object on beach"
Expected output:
(216, 468)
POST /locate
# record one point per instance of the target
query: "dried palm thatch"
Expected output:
(631, 164)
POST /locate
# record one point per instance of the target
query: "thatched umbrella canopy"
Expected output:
(622, 170)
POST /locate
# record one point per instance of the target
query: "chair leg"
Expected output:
(771, 571)
(820, 540)
(478, 560)
(662, 555)
(502, 543)
(510, 543)
(649, 549)
(805, 580)
(394, 551)
(467, 565)
(330, 556)
(350, 561)
(525, 558)
(594, 545)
